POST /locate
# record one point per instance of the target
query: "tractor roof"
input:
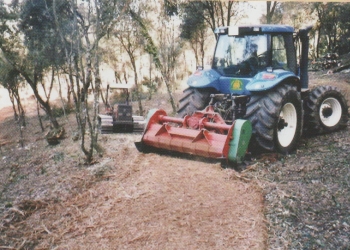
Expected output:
(254, 29)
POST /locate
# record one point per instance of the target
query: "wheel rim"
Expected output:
(330, 112)
(287, 125)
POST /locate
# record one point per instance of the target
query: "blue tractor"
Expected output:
(258, 74)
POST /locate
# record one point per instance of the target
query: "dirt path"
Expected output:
(157, 202)
(126, 201)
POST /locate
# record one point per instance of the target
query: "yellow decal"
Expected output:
(236, 85)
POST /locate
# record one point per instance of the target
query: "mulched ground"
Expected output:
(307, 194)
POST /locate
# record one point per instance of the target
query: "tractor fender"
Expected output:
(267, 80)
(204, 79)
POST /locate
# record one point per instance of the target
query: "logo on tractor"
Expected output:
(236, 85)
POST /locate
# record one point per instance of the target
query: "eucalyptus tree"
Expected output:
(343, 45)
(91, 21)
(213, 13)
(170, 46)
(270, 11)
(8, 75)
(194, 29)
(161, 46)
(26, 43)
(11, 80)
(127, 32)
(43, 50)
(62, 36)
(138, 33)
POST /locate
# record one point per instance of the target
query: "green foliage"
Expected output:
(40, 32)
(149, 45)
(142, 95)
(118, 96)
(10, 40)
(170, 7)
(333, 26)
(343, 43)
(61, 111)
(192, 20)
(6, 17)
(152, 86)
(9, 76)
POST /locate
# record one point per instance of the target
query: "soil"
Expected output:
(50, 199)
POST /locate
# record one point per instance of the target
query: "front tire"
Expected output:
(193, 99)
(276, 117)
(326, 110)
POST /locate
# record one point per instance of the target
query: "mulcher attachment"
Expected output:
(205, 133)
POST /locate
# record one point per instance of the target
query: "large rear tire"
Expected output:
(193, 99)
(276, 117)
(326, 110)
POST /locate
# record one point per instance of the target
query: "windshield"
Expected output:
(240, 55)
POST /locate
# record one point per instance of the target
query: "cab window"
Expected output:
(279, 54)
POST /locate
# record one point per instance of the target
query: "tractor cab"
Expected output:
(250, 59)
(246, 51)
(265, 53)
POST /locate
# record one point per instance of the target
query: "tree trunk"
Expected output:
(209, 5)
(167, 84)
(222, 15)
(39, 117)
(318, 43)
(12, 99)
(84, 108)
(44, 104)
(229, 8)
(195, 51)
(97, 92)
(137, 87)
(201, 43)
(20, 108)
(270, 10)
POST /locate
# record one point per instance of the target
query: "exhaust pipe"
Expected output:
(304, 60)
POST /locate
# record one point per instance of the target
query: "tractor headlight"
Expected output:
(259, 86)
(233, 31)
(256, 29)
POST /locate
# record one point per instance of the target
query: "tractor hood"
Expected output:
(204, 79)
(213, 79)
